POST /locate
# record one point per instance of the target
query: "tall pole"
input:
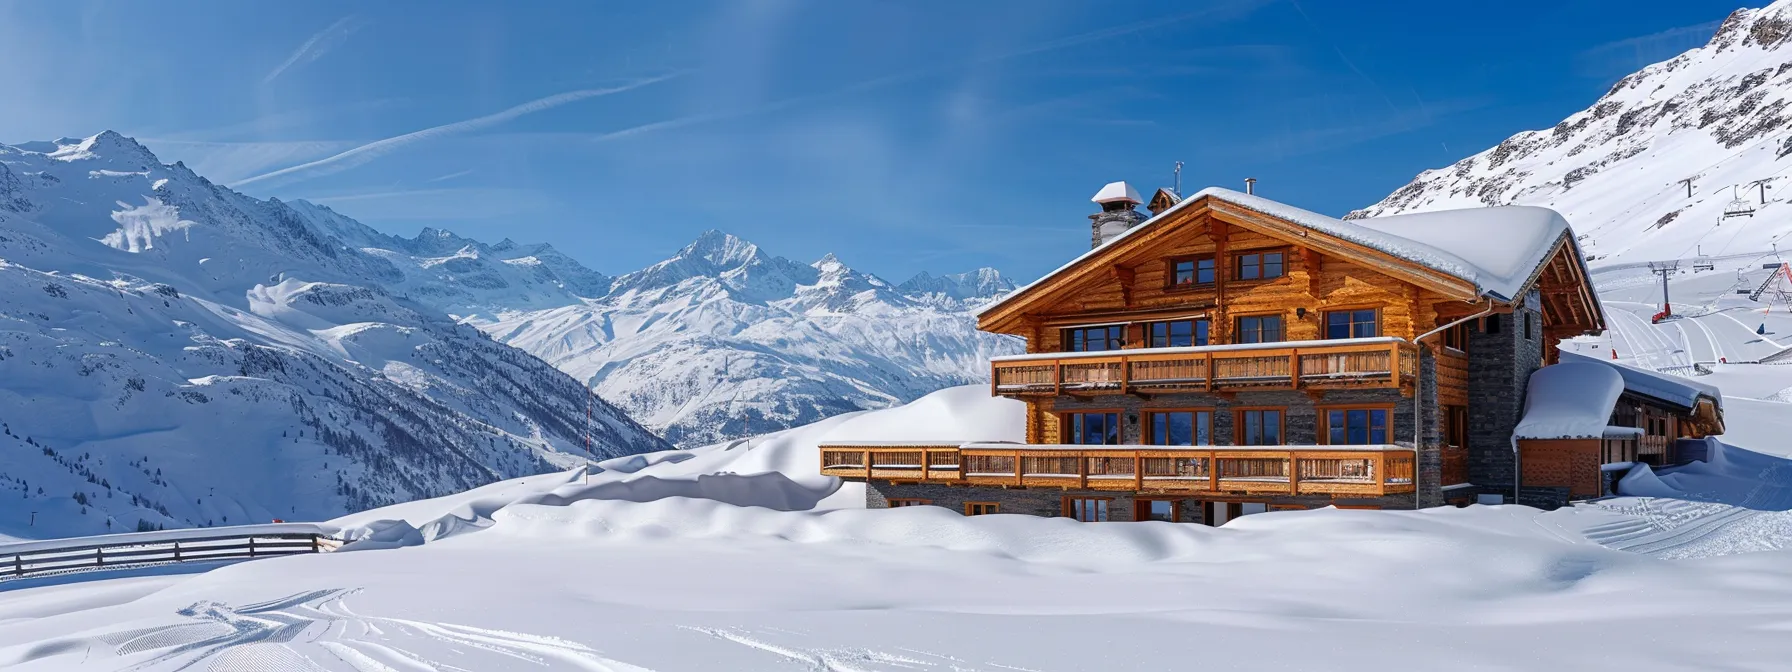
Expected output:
(1178, 187)
(1664, 269)
(1688, 183)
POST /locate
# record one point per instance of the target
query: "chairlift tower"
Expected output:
(1664, 269)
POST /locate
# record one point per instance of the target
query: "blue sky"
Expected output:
(900, 135)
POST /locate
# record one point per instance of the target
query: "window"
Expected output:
(909, 501)
(1490, 324)
(981, 508)
(1356, 426)
(1259, 266)
(1181, 428)
(1259, 329)
(1095, 339)
(1191, 272)
(1527, 327)
(1097, 428)
(1178, 333)
(1260, 427)
(1455, 426)
(1167, 510)
(1087, 509)
(1456, 337)
(1353, 324)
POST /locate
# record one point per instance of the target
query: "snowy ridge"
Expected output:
(175, 354)
(1717, 115)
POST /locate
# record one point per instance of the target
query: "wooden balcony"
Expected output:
(1355, 471)
(1288, 365)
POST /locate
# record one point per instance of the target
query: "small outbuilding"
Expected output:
(1585, 416)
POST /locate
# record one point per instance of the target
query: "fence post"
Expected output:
(18, 565)
(251, 547)
(99, 557)
(177, 551)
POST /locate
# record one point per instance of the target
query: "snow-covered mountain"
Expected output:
(1719, 115)
(173, 353)
(725, 341)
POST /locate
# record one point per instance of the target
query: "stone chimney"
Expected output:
(1117, 201)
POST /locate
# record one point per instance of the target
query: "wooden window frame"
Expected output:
(975, 508)
(1236, 274)
(1325, 321)
(1454, 422)
(1065, 331)
(1151, 339)
(1148, 427)
(1064, 507)
(907, 501)
(1324, 421)
(1238, 325)
(1064, 425)
(1456, 338)
(1170, 284)
(1141, 507)
(1238, 424)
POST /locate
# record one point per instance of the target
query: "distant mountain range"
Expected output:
(173, 353)
(724, 341)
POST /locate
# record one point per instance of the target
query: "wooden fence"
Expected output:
(51, 556)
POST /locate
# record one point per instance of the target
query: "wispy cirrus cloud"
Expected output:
(1218, 12)
(378, 148)
(1631, 54)
(320, 43)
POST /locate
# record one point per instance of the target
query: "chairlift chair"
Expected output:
(1738, 207)
(1703, 264)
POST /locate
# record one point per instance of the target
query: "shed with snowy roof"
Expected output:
(1587, 416)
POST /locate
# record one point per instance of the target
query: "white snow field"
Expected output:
(739, 557)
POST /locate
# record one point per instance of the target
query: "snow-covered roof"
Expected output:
(1572, 400)
(1677, 390)
(1497, 249)
(1117, 191)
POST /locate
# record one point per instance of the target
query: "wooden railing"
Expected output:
(1653, 444)
(1385, 362)
(1366, 471)
(50, 556)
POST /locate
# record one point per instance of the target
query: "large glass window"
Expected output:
(1094, 339)
(1095, 428)
(1086, 509)
(1178, 333)
(1259, 329)
(1353, 324)
(1357, 427)
(1157, 509)
(1191, 272)
(1260, 266)
(1260, 427)
(1181, 428)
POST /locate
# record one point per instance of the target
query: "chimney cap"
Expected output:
(1117, 192)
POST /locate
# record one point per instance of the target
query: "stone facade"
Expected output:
(1049, 502)
(1115, 220)
(1503, 353)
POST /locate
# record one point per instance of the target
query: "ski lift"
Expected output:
(1737, 206)
(1703, 264)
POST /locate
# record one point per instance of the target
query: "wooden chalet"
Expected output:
(1231, 354)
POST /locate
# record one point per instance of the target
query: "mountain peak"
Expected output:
(108, 145)
(720, 249)
(982, 283)
(828, 262)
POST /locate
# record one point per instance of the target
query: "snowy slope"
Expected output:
(732, 557)
(174, 354)
(1718, 115)
(724, 341)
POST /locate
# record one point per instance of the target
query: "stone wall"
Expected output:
(1049, 502)
(1500, 366)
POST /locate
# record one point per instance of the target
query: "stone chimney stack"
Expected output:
(1117, 201)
